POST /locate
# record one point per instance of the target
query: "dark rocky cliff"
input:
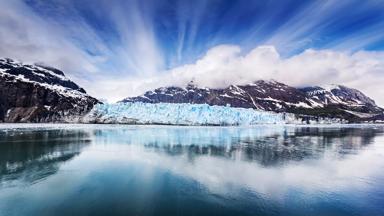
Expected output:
(36, 93)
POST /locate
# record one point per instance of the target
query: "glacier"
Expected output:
(183, 114)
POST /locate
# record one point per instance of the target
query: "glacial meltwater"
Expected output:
(63, 169)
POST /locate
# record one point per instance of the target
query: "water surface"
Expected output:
(165, 170)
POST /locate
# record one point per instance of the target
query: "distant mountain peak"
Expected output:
(191, 85)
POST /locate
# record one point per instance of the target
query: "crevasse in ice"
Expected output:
(183, 114)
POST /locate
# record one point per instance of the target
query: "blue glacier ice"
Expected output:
(183, 114)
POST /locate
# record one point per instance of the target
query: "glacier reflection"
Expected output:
(268, 145)
(265, 159)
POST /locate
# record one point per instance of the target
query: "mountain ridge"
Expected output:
(270, 95)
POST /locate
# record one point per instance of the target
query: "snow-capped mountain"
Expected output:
(264, 95)
(338, 94)
(331, 101)
(38, 93)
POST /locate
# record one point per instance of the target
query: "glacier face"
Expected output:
(182, 114)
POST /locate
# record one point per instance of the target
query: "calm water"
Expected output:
(159, 170)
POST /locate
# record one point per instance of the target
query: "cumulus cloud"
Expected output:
(226, 64)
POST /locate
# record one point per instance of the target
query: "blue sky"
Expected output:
(183, 30)
(117, 41)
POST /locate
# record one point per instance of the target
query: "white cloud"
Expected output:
(225, 65)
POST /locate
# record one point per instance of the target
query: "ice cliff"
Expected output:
(183, 114)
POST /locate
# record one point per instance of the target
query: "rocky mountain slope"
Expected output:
(37, 93)
(334, 101)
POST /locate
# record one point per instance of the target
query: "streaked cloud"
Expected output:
(116, 48)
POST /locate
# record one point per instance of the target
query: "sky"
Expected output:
(120, 48)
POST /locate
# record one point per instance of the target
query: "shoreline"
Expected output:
(64, 125)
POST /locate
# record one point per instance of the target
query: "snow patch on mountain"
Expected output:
(51, 78)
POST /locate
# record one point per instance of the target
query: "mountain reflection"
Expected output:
(267, 145)
(32, 155)
(29, 156)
